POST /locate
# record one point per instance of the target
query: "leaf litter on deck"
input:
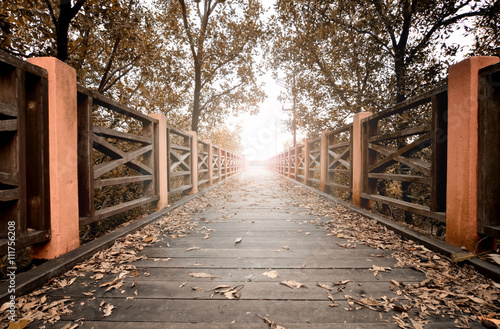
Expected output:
(115, 260)
(450, 289)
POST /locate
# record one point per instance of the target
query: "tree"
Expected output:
(329, 72)
(223, 38)
(407, 31)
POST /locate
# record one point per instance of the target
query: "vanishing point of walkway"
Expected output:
(252, 260)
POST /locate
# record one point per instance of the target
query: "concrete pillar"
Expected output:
(162, 179)
(461, 189)
(63, 159)
(323, 167)
(194, 162)
(210, 163)
(357, 159)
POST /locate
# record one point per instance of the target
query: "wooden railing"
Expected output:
(394, 151)
(125, 138)
(180, 146)
(215, 163)
(108, 161)
(24, 170)
(338, 162)
(411, 151)
(203, 162)
(399, 158)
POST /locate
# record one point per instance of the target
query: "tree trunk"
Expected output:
(196, 101)
(63, 22)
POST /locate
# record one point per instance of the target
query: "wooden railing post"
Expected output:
(63, 159)
(194, 162)
(324, 162)
(357, 178)
(162, 178)
(219, 163)
(307, 161)
(210, 163)
(461, 190)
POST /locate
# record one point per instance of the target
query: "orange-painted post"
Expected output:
(323, 167)
(461, 189)
(194, 162)
(210, 163)
(289, 162)
(307, 161)
(219, 163)
(357, 160)
(63, 159)
(162, 178)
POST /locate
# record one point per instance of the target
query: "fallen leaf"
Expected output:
(489, 322)
(293, 284)
(238, 240)
(271, 274)
(377, 255)
(193, 248)
(108, 309)
(270, 323)
(461, 256)
(222, 286)
(19, 324)
(115, 286)
(196, 288)
(324, 286)
(148, 239)
(183, 284)
(375, 269)
(339, 283)
(494, 257)
(332, 299)
(202, 275)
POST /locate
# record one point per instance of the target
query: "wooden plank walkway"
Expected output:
(275, 236)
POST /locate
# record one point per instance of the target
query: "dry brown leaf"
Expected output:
(271, 274)
(19, 324)
(461, 256)
(71, 326)
(324, 286)
(183, 284)
(332, 299)
(222, 286)
(202, 275)
(116, 286)
(196, 288)
(293, 284)
(377, 255)
(238, 240)
(193, 248)
(108, 309)
(148, 239)
(489, 322)
(493, 257)
(340, 283)
(375, 269)
(270, 323)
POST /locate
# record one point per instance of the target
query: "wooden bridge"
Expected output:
(256, 255)
(262, 248)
